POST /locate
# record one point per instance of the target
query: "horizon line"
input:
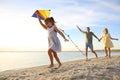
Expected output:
(46, 50)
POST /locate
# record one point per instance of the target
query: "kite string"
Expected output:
(76, 47)
(71, 40)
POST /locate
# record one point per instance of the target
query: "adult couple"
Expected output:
(107, 43)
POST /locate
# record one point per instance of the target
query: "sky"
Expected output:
(21, 32)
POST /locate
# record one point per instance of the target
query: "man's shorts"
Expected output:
(90, 45)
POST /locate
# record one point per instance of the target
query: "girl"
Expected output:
(54, 43)
(107, 43)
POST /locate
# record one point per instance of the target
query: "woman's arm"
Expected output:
(43, 25)
(114, 38)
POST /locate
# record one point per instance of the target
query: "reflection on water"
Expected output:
(16, 60)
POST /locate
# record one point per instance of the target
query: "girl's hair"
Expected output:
(50, 19)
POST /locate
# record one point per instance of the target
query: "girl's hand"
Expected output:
(66, 40)
(37, 12)
(38, 15)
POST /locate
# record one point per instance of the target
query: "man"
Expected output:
(89, 41)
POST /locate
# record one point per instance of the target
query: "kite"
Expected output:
(43, 14)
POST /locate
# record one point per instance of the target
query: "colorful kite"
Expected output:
(43, 14)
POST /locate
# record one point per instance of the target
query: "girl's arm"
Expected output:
(43, 25)
(80, 29)
(56, 29)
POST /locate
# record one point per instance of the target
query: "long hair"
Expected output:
(50, 19)
(106, 30)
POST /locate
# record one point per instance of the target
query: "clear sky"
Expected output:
(20, 31)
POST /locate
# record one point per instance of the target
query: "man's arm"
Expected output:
(96, 37)
(81, 30)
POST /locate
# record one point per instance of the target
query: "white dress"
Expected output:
(53, 40)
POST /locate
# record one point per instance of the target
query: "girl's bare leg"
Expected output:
(51, 58)
(105, 49)
(109, 52)
(56, 58)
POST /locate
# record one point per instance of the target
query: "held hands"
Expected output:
(99, 40)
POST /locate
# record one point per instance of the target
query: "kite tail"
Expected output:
(71, 40)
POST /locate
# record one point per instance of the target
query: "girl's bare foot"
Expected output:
(109, 56)
(50, 66)
(106, 56)
(86, 58)
(59, 65)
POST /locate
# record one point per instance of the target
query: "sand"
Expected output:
(101, 68)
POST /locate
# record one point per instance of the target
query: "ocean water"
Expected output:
(18, 60)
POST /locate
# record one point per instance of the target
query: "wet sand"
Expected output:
(101, 68)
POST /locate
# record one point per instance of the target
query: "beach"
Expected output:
(101, 68)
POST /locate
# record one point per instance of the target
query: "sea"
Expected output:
(11, 60)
